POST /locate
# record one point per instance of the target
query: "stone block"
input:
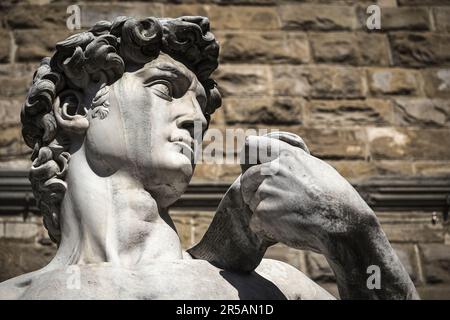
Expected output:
(264, 110)
(319, 82)
(410, 227)
(183, 224)
(420, 49)
(422, 2)
(5, 46)
(242, 80)
(408, 258)
(94, 12)
(357, 169)
(436, 262)
(37, 16)
(186, 9)
(10, 141)
(264, 47)
(350, 48)
(216, 172)
(10, 111)
(432, 168)
(33, 45)
(422, 112)
(317, 17)
(442, 19)
(411, 144)
(344, 113)
(437, 82)
(291, 81)
(334, 144)
(17, 258)
(393, 81)
(354, 169)
(243, 17)
(21, 230)
(434, 292)
(14, 86)
(395, 18)
(200, 225)
(393, 167)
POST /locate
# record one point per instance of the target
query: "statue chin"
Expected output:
(167, 183)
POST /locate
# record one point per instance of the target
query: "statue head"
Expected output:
(127, 93)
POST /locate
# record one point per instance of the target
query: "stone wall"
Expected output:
(372, 103)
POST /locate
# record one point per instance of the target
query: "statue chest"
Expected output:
(180, 279)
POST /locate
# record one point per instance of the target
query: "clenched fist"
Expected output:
(300, 200)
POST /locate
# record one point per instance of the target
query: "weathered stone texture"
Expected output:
(10, 110)
(394, 82)
(442, 18)
(350, 48)
(35, 44)
(343, 113)
(35, 16)
(422, 2)
(420, 49)
(422, 112)
(437, 82)
(93, 12)
(243, 80)
(317, 17)
(244, 17)
(408, 258)
(17, 258)
(394, 18)
(400, 143)
(264, 110)
(319, 82)
(333, 144)
(436, 260)
(5, 46)
(432, 168)
(407, 227)
(264, 47)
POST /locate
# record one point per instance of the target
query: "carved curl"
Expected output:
(100, 56)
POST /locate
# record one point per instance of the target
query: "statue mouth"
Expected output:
(186, 147)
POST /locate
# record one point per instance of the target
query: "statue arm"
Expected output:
(367, 267)
(305, 204)
(229, 243)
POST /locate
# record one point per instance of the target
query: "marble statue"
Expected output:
(110, 119)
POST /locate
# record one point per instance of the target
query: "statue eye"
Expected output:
(162, 89)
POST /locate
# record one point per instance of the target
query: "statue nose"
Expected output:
(194, 120)
(196, 126)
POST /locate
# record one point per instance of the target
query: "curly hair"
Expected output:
(100, 55)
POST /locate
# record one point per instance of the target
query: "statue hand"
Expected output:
(301, 201)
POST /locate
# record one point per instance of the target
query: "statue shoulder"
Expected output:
(291, 281)
(14, 288)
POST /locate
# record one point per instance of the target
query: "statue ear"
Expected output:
(69, 112)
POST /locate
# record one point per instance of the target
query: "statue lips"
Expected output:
(186, 146)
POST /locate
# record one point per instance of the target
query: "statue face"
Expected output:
(149, 130)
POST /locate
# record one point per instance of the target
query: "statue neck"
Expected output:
(112, 219)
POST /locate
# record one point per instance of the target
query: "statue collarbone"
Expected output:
(110, 120)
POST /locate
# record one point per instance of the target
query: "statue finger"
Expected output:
(250, 181)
